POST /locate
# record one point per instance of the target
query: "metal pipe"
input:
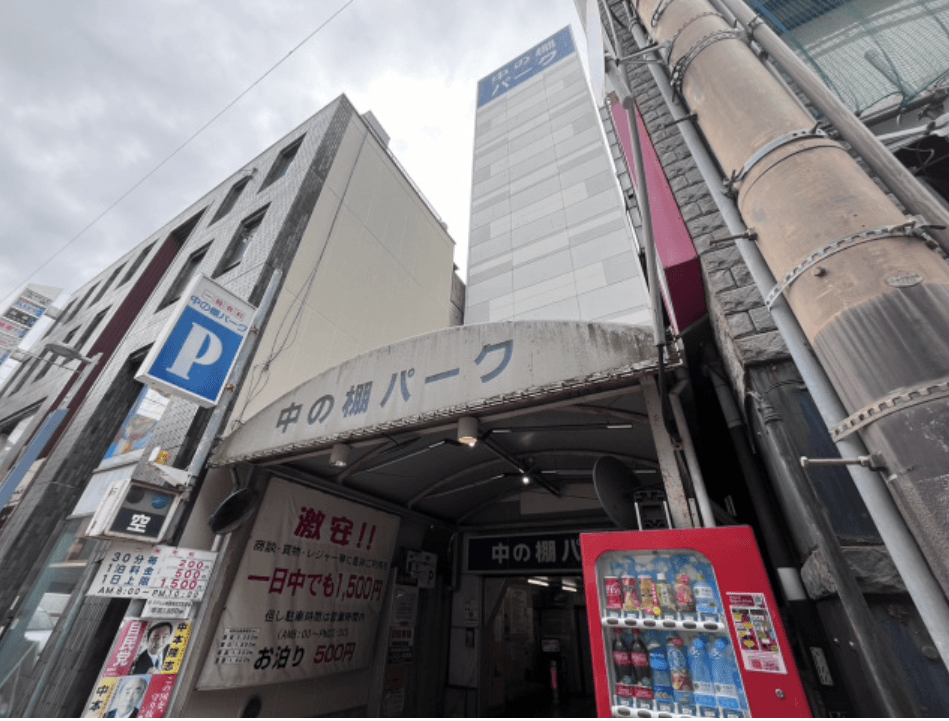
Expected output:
(219, 417)
(768, 518)
(642, 199)
(882, 678)
(691, 459)
(915, 196)
(907, 557)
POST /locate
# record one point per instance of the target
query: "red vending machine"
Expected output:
(684, 623)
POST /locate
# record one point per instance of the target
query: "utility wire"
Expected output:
(177, 150)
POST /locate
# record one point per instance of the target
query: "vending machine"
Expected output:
(684, 623)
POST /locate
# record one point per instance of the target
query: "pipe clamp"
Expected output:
(764, 151)
(913, 227)
(683, 63)
(892, 403)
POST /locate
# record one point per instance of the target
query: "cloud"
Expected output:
(93, 95)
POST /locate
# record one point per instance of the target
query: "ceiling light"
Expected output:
(538, 581)
(468, 430)
(525, 479)
(572, 589)
(339, 456)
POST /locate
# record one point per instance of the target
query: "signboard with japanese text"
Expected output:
(440, 375)
(417, 568)
(308, 592)
(133, 510)
(534, 61)
(536, 553)
(133, 570)
(22, 314)
(193, 356)
(140, 673)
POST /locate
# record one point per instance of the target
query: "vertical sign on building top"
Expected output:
(19, 317)
(526, 66)
(195, 352)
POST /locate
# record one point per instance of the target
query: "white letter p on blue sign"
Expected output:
(191, 355)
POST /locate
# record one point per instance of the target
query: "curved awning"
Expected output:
(445, 374)
(550, 397)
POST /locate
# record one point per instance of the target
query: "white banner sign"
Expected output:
(132, 570)
(308, 592)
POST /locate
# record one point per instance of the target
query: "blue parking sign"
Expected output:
(193, 356)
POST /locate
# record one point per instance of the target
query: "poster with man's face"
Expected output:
(128, 696)
(140, 674)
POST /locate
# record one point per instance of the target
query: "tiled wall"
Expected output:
(549, 238)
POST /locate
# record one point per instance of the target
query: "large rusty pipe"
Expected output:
(876, 312)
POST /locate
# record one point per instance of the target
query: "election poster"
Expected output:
(308, 593)
(140, 673)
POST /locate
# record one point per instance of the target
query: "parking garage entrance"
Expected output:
(481, 441)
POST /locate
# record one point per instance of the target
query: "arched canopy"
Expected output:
(549, 398)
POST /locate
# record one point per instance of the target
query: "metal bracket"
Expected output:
(749, 234)
(645, 51)
(911, 228)
(684, 118)
(874, 462)
(883, 407)
(739, 175)
(683, 63)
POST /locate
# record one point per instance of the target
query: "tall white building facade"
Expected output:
(549, 235)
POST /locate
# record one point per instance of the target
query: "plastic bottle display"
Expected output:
(705, 601)
(662, 663)
(665, 596)
(679, 671)
(614, 593)
(703, 688)
(721, 662)
(685, 601)
(661, 679)
(630, 597)
(639, 657)
(647, 595)
(621, 661)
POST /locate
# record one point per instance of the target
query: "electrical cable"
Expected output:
(177, 150)
(257, 384)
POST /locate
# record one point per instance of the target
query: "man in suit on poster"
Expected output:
(152, 657)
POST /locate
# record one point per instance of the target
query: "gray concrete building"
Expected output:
(355, 258)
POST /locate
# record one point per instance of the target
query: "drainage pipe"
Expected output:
(906, 555)
(691, 459)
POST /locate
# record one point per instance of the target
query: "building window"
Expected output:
(12, 431)
(90, 329)
(242, 240)
(82, 302)
(107, 284)
(47, 359)
(137, 264)
(139, 424)
(26, 374)
(282, 163)
(191, 266)
(230, 199)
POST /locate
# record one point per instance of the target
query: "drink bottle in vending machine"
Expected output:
(684, 623)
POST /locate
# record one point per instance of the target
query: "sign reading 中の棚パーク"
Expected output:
(196, 350)
(526, 66)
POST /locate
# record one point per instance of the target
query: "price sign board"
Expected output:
(131, 570)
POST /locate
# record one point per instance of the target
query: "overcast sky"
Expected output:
(95, 93)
